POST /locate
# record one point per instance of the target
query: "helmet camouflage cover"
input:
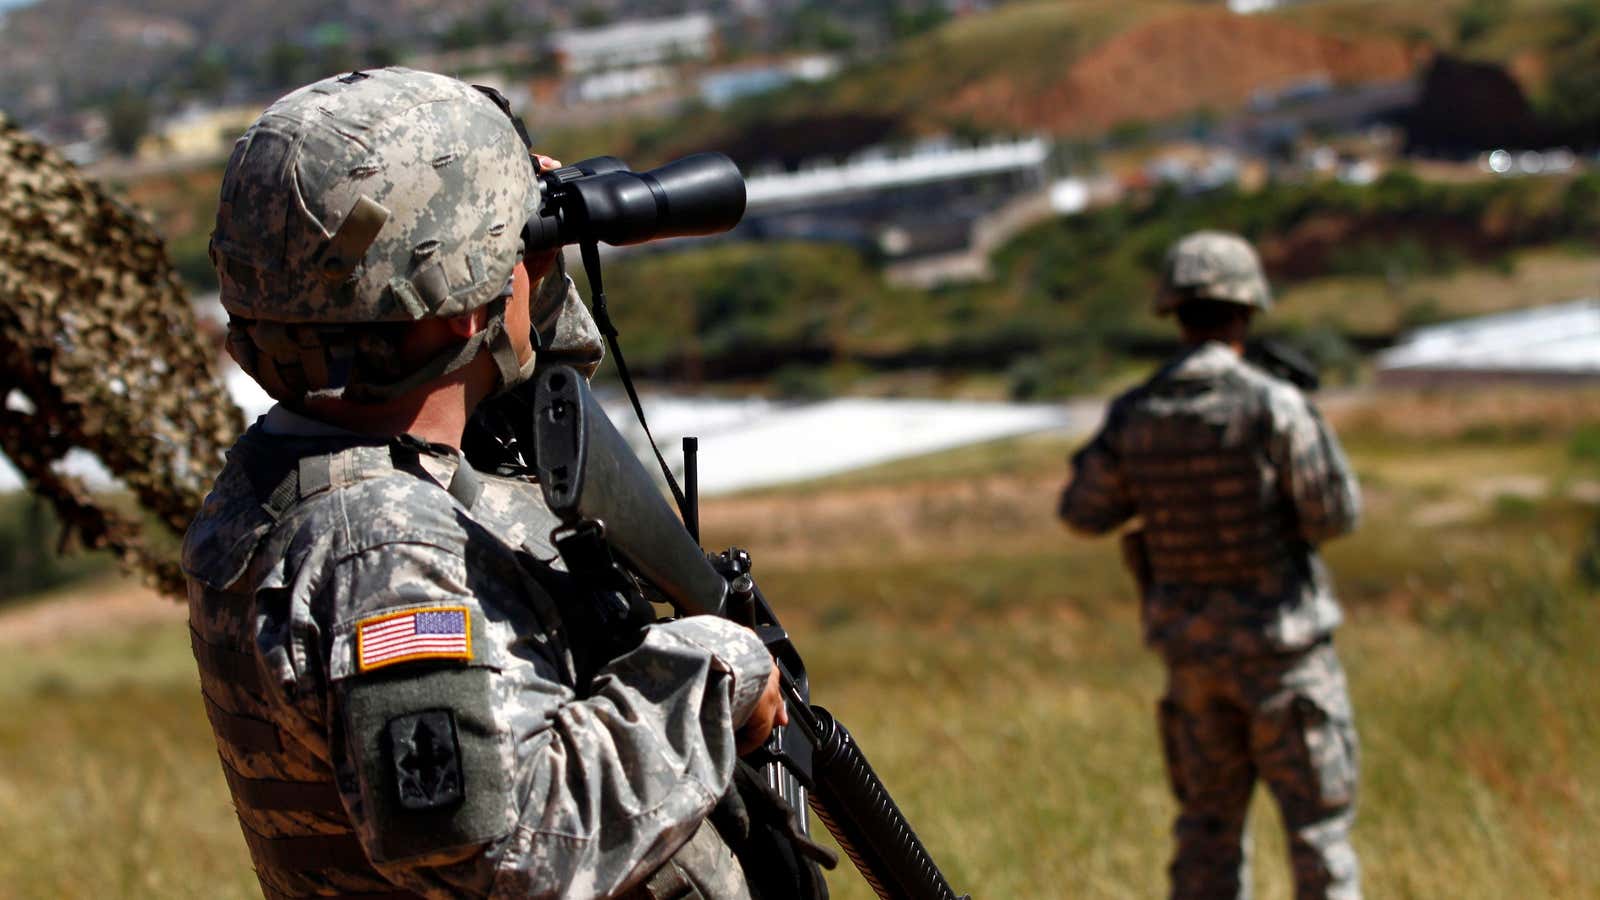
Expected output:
(1212, 265)
(381, 196)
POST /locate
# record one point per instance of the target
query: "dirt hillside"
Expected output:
(1178, 63)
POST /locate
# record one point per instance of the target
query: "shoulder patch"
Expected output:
(431, 632)
(426, 755)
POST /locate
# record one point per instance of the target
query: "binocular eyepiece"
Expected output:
(601, 200)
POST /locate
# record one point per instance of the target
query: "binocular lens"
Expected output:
(600, 200)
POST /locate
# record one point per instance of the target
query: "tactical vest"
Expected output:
(301, 841)
(1198, 474)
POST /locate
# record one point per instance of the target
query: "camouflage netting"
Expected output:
(98, 338)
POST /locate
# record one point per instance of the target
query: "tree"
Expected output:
(1572, 97)
(461, 35)
(1478, 18)
(127, 120)
(208, 76)
(284, 63)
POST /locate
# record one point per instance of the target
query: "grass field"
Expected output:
(990, 667)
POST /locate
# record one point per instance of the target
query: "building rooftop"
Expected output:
(931, 163)
(635, 41)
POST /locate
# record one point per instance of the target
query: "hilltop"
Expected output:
(1069, 69)
(1079, 69)
(1084, 69)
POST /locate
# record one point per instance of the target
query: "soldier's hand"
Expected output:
(540, 263)
(770, 713)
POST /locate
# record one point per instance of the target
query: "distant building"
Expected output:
(616, 84)
(197, 133)
(1549, 345)
(640, 42)
(724, 86)
(935, 212)
(932, 162)
(1246, 7)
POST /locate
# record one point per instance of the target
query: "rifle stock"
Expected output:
(594, 483)
(589, 474)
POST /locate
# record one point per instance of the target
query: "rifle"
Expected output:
(619, 536)
(1284, 361)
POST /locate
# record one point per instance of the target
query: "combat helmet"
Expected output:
(383, 196)
(1212, 265)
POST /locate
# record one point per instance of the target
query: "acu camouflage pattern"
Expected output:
(1236, 478)
(1212, 265)
(100, 350)
(442, 182)
(1287, 721)
(382, 196)
(574, 788)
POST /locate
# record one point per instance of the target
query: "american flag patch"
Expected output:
(437, 632)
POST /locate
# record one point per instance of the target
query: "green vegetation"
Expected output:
(30, 561)
(1069, 301)
(991, 668)
(127, 120)
(1480, 17)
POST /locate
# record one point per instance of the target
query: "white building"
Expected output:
(929, 163)
(640, 42)
(1246, 7)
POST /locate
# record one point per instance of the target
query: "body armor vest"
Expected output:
(1211, 502)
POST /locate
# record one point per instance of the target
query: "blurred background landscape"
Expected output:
(956, 214)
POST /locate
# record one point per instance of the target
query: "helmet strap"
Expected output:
(493, 335)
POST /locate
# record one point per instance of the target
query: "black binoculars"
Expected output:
(601, 200)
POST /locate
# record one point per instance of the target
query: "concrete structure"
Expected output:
(640, 42)
(724, 86)
(932, 162)
(1557, 344)
(198, 133)
(934, 213)
(1247, 7)
(617, 84)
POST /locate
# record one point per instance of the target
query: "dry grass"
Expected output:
(1519, 415)
(991, 669)
(1374, 305)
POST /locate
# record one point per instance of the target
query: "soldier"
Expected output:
(409, 698)
(1235, 479)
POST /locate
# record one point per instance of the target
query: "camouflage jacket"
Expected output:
(391, 661)
(1235, 478)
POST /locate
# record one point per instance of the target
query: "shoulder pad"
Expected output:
(223, 537)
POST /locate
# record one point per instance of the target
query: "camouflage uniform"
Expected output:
(409, 697)
(1236, 478)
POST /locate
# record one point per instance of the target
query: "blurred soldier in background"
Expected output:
(408, 697)
(1233, 479)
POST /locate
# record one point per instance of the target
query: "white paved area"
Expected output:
(748, 443)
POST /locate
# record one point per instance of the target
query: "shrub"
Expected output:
(29, 557)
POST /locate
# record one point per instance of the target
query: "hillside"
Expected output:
(62, 57)
(1177, 64)
(1080, 68)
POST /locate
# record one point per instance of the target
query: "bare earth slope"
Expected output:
(1176, 64)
